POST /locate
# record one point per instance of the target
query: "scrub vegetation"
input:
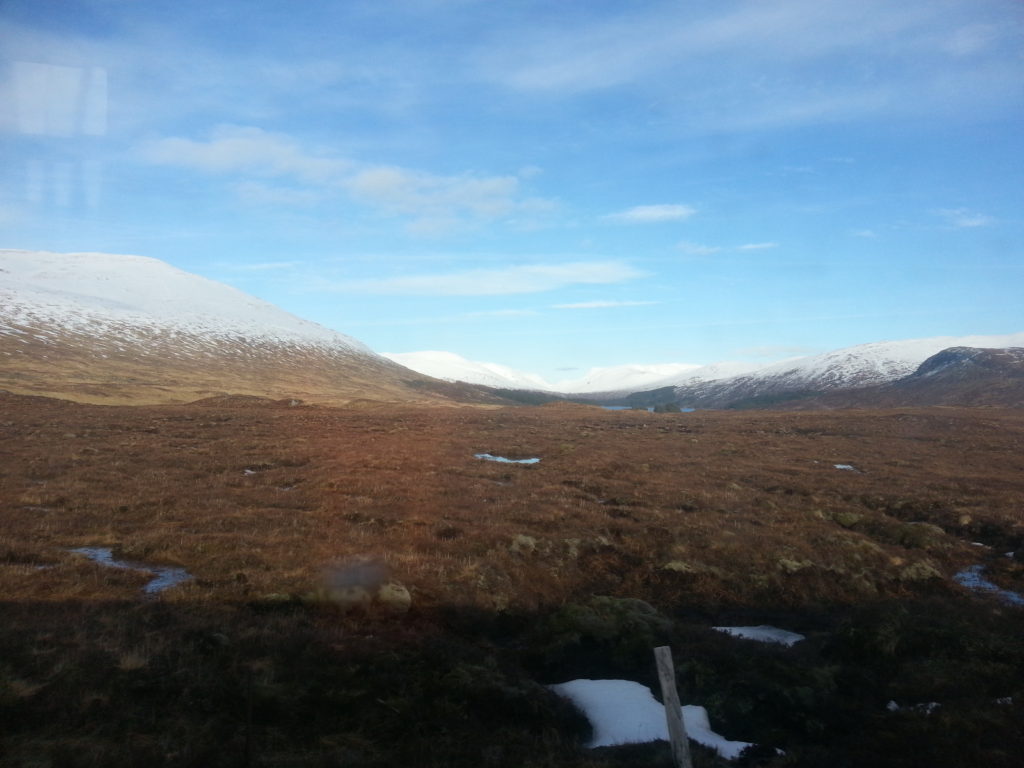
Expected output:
(634, 529)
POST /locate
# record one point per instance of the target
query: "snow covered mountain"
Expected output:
(111, 328)
(955, 376)
(449, 366)
(719, 385)
(861, 366)
(688, 375)
(620, 378)
(624, 378)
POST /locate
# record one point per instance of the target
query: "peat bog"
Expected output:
(633, 530)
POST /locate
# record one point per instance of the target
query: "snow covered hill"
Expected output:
(112, 328)
(452, 367)
(718, 385)
(139, 295)
(620, 378)
(861, 366)
(625, 378)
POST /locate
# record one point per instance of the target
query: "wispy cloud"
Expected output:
(673, 53)
(435, 203)
(652, 214)
(696, 249)
(234, 149)
(964, 218)
(603, 304)
(533, 278)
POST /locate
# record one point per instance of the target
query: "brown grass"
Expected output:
(712, 506)
(702, 514)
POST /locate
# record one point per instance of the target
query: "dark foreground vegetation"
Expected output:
(634, 530)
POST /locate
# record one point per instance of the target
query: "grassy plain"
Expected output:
(519, 575)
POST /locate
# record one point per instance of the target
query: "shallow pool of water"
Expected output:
(974, 578)
(164, 576)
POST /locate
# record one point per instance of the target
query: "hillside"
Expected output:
(806, 380)
(109, 328)
(958, 376)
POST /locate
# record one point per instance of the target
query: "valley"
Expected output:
(633, 529)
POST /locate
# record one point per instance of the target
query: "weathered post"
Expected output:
(673, 712)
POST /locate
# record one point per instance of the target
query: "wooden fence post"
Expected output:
(673, 712)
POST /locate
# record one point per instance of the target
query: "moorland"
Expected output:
(633, 530)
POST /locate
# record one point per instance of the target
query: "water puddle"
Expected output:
(164, 576)
(848, 468)
(503, 460)
(974, 578)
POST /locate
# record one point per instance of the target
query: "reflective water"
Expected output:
(973, 578)
(164, 576)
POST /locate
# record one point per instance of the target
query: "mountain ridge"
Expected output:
(121, 329)
(720, 384)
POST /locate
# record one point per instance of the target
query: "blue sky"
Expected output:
(547, 185)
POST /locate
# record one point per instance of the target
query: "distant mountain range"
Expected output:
(106, 328)
(882, 372)
(955, 376)
(838, 374)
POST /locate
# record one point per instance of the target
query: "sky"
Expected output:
(551, 186)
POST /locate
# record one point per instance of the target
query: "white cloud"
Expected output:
(436, 203)
(684, 58)
(696, 249)
(649, 214)
(964, 218)
(603, 304)
(241, 149)
(534, 278)
(413, 192)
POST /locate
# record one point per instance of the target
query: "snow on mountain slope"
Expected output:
(875, 363)
(717, 384)
(135, 293)
(712, 372)
(854, 367)
(623, 377)
(105, 328)
(452, 367)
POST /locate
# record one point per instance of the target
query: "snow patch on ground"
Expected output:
(764, 634)
(503, 460)
(625, 712)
